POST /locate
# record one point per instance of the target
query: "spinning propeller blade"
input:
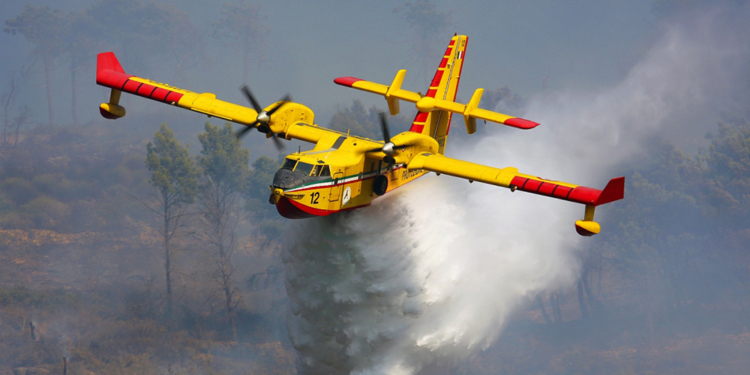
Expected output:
(264, 117)
(388, 147)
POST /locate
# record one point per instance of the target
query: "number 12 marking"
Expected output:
(314, 197)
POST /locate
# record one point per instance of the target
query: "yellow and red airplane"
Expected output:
(344, 172)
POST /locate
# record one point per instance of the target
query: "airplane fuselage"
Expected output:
(334, 178)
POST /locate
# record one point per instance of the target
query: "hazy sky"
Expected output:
(516, 43)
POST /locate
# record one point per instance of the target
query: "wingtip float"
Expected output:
(345, 172)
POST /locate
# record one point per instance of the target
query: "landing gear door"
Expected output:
(336, 188)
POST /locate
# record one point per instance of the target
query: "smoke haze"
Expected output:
(433, 272)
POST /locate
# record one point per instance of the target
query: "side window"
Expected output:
(326, 171)
(316, 170)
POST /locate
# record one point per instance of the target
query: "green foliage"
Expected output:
(19, 190)
(259, 178)
(366, 123)
(46, 212)
(173, 171)
(39, 25)
(223, 160)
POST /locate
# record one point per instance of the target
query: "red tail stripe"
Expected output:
(421, 117)
(438, 77)
(416, 128)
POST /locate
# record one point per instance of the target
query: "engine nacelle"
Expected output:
(111, 111)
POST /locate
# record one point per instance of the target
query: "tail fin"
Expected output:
(444, 86)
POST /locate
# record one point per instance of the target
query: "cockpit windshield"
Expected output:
(304, 168)
(289, 164)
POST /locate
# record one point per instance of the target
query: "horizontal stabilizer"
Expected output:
(428, 103)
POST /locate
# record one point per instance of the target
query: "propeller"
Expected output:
(388, 147)
(264, 117)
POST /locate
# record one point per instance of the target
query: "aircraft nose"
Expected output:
(285, 179)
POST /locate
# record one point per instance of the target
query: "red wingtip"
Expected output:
(109, 72)
(108, 61)
(614, 191)
(346, 81)
(521, 123)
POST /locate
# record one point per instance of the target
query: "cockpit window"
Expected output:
(304, 168)
(321, 170)
(325, 171)
(289, 164)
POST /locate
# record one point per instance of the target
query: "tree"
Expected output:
(365, 123)
(225, 167)
(80, 43)
(257, 192)
(44, 28)
(175, 177)
(242, 24)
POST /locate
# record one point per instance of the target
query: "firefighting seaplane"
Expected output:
(344, 172)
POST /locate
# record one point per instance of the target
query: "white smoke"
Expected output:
(431, 272)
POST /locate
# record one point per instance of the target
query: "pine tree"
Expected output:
(225, 166)
(175, 177)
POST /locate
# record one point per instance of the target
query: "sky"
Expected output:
(575, 44)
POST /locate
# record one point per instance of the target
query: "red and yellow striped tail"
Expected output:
(444, 86)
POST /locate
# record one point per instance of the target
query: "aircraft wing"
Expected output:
(510, 178)
(110, 74)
